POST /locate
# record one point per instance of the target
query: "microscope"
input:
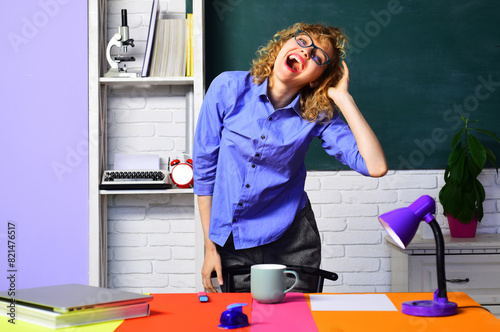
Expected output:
(120, 40)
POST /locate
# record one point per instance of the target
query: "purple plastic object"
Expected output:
(430, 308)
(402, 224)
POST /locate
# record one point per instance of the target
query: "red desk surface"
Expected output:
(183, 312)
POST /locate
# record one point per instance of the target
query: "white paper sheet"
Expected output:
(351, 302)
(136, 161)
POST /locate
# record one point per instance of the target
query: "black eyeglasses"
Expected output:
(317, 54)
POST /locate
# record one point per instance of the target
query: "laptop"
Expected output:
(72, 297)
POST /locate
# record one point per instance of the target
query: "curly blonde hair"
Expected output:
(315, 104)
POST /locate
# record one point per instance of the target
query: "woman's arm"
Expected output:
(212, 260)
(368, 144)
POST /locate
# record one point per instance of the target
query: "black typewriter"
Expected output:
(135, 179)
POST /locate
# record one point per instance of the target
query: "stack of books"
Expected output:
(71, 305)
(169, 46)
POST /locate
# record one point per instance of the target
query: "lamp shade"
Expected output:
(402, 224)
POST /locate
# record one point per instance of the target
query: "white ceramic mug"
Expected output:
(267, 282)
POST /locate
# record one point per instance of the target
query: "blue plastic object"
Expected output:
(234, 317)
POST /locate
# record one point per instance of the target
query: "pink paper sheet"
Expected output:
(293, 314)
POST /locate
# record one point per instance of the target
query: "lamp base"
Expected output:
(429, 308)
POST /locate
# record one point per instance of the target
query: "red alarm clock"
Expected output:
(181, 172)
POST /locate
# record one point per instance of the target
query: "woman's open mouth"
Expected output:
(295, 63)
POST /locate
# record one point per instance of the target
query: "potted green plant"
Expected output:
(463, 195)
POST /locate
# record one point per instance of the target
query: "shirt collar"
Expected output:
(295, 104)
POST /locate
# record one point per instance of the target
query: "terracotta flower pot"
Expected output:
(460, 230)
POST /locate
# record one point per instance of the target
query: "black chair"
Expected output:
(318, 274)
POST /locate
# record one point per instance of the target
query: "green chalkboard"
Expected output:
(415, 66)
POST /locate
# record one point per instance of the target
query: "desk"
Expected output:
(183, 312)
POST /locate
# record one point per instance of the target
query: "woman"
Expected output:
(253, 132)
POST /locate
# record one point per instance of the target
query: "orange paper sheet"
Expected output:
(470, 319)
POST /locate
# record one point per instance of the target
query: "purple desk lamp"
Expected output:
(402, 224)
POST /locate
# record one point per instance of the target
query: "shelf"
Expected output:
(146, 192)
(147, 80)
(101, 94)
(452, 245)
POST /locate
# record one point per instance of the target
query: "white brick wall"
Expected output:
(147, 119)
(151, 243)
(347, 205)
(152, 237)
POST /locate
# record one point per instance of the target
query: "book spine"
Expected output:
(189, 46)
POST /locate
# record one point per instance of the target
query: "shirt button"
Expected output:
(240, 204)
(253, 166)
(263, 137)
(234, 220)
(257, 155)
(270, 118)
(248, 186)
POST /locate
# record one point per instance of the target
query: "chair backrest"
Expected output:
(319, 274)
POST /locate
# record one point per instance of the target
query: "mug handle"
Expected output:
(296, 279)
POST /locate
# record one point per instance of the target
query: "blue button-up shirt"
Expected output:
(250, 158)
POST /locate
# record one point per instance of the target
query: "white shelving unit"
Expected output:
(98, 91)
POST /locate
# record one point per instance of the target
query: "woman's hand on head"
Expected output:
(342, 87)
